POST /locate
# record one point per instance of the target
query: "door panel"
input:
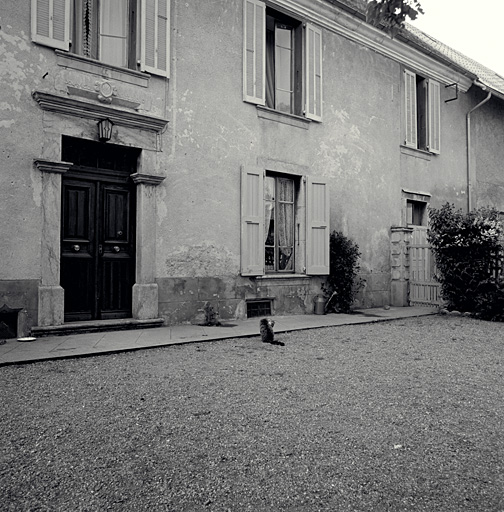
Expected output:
(78, 269)
(97, 248)
(116, 268)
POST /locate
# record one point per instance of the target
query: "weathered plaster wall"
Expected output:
(211, 134)
(488, 149)
(214, 133)
(20, 68)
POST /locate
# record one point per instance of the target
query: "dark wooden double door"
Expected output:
(97, 239)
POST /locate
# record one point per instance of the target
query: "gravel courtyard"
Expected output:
(402, 415)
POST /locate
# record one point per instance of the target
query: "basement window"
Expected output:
(257, 308)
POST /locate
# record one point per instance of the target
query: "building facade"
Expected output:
(159, 156)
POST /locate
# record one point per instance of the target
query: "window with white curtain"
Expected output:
(131, 34)
(279, 218)
(101, 30)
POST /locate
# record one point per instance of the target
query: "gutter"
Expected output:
(468, 142)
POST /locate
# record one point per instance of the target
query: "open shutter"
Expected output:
(50, 23)
(155, 37)
(410, 109)
(252, 220)
(434, 130)
(254, 52)
(317, 227)
(313, 59)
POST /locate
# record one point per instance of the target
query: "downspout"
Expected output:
(468, 141)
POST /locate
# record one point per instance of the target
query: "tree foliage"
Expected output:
(469, 252)
(392, 14)
(343, 283)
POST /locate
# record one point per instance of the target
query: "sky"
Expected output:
(475, 28)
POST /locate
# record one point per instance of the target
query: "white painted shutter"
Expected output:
(252, 220)
(317, 226)
(434, 128)
(155, 37)
(313, 59)
(50, 23)
(410, 109)
(254, 52)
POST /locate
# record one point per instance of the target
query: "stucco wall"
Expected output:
(488, 148)
(211, 134)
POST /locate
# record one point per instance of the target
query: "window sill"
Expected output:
(417, 153)
(267, 277)
(80, 63)
(282, 117)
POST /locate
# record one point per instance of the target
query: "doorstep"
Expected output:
(120, 324)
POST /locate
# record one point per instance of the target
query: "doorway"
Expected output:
(98, 230)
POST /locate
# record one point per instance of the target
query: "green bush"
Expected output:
(468, 251)
(342, 284)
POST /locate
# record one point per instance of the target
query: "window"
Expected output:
(416, 213)
(102, 30)
(116, 32)
(422, 112)
(282, 62)
(257, 308)
(279, 224)
(415, 208)
(285, 224)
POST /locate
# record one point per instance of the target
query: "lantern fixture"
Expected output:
(105, 129)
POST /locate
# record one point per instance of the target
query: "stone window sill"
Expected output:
(282, 117)
(417, 153)
(80, 63)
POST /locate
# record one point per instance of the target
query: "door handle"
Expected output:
(100, 249)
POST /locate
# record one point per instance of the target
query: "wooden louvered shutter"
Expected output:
(155, 37)
(313, 58)
(254, 52)
(50, 23)
(410, 109)
(434, 127)
(317, 227)
(252, 220)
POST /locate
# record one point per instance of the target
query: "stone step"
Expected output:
(95, 326)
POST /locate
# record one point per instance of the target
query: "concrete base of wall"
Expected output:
(375, 291)
(51, 305)
(182, 300)
(145, 301)
(21, 295)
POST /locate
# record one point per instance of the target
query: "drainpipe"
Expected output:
(468, 133)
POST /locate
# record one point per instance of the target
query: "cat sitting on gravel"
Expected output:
(267, 333)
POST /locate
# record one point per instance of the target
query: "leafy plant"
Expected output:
(211, 316)
(469, 253)
(392, 14)
(342, 284)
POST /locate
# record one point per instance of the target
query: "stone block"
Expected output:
(172, 289)
(51, 305)
(145, 301)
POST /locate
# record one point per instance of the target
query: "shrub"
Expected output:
(468, 251)
(342, 284)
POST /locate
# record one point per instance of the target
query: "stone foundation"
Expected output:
(182, 300)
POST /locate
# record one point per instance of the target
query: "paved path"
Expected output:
(79, 345)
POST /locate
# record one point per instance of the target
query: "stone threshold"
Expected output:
(121, 324)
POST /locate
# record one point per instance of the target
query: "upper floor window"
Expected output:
(102, 30)
(124, 33)
(422, 107)
(282, 66)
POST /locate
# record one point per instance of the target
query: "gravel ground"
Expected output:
(401, 415)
